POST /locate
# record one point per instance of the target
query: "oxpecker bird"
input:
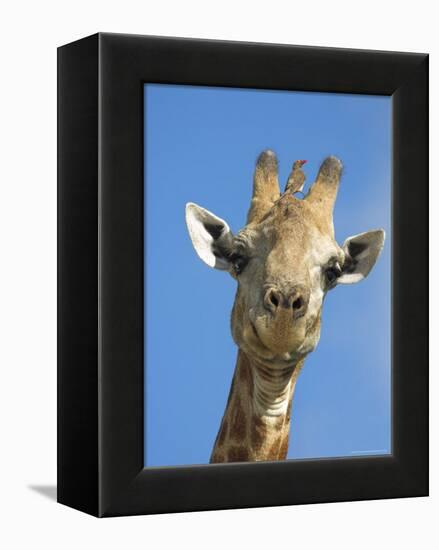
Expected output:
(296, 180)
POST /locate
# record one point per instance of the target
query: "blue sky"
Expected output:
(201, 144)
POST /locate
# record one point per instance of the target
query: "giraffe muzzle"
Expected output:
(295, 301)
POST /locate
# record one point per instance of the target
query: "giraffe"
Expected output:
(284, 261)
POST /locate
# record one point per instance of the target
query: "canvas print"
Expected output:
(267, 275)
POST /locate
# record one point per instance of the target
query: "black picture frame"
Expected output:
(100, 274)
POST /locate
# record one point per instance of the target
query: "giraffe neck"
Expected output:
(256, 423)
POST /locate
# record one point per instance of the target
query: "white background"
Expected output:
(30, 34)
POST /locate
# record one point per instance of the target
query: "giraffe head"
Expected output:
(284, 260)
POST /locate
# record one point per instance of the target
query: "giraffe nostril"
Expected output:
(274, 299)
(298, 303)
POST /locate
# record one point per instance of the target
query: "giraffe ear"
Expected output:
(210, 236)
(361, 253)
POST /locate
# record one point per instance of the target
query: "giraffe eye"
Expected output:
(239, 262)
(332, 273)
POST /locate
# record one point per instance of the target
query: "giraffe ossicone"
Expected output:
(285, 260)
